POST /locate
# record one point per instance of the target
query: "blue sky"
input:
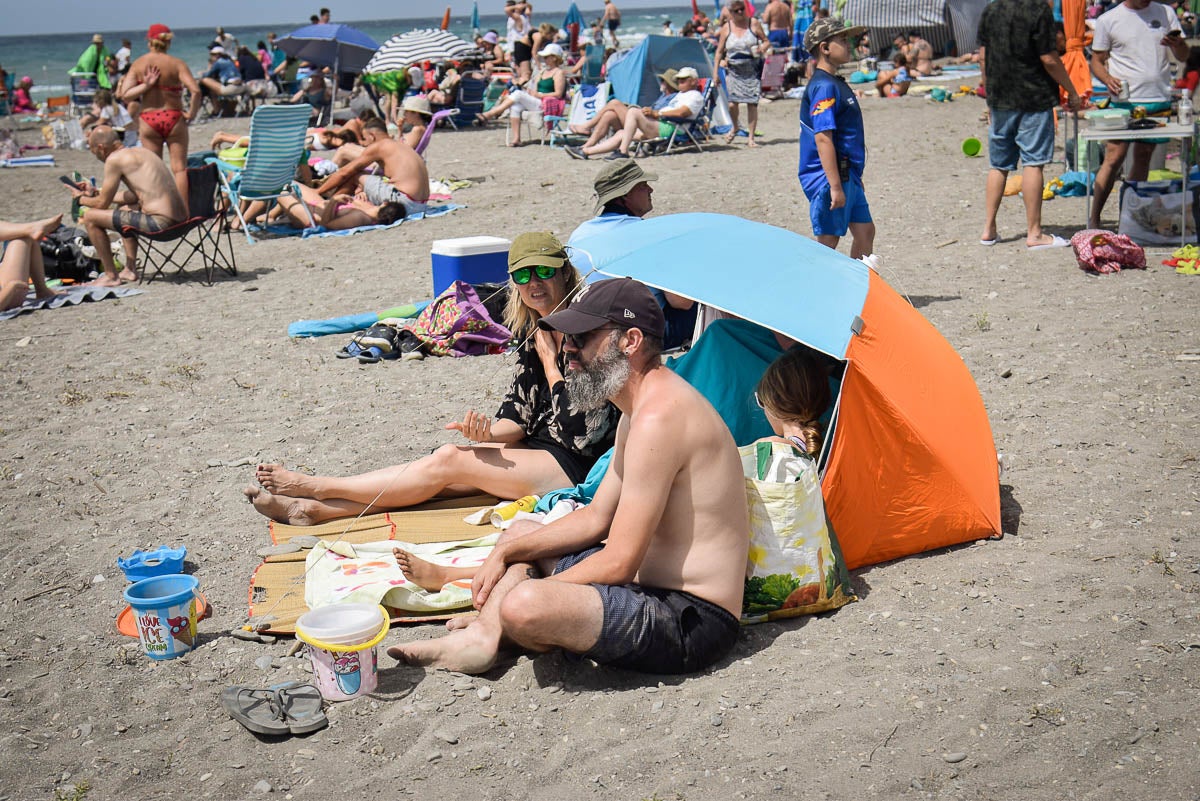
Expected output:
(71, 16)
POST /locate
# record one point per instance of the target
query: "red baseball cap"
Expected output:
(157, 30)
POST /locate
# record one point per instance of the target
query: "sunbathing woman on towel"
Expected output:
(536, 443)
(338, 213)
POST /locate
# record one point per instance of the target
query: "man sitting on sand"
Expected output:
(22, 261)
(649, 123)
(151, 203)
(649, 576)
(404, 180)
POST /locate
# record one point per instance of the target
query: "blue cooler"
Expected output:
(474, 259)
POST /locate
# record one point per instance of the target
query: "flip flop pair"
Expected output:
(281, 709)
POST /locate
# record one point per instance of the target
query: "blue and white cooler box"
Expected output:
(474, 259)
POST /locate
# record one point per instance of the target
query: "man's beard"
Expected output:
(592, 385)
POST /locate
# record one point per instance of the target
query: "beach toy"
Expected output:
(164, 609)
(971, 146)
(127, 618)
(344, 660)
(162, 561)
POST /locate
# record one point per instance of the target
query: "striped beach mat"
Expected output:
(29, 161)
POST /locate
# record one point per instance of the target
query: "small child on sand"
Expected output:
(894, 83)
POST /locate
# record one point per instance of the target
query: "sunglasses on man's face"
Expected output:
(578, 341)
(523, 275)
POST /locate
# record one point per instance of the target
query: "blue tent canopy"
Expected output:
(771, 276)
(634, 76)
(573, 17)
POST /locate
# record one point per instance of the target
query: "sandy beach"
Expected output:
(1060, 662)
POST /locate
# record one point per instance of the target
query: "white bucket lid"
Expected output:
(470, 246)
(342, 624)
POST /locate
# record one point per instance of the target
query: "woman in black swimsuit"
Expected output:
(535, 443)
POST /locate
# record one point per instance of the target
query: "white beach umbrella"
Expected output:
(405, 49)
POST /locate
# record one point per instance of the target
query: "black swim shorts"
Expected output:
(522, 51)
(653, 630)
(573, 463)
(147, 223)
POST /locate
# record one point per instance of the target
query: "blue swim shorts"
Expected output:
(780, 40)
(836, 222)
(1027, 134)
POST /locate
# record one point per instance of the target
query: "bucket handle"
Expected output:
(362, 646)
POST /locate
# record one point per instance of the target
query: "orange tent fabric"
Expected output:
(1077, 36)
(913, 465)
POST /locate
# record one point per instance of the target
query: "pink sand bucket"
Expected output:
(341, 643)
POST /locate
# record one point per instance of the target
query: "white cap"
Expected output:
(551, 50)
(220, 51)
(687, 72)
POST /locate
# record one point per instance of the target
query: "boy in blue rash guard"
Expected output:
(832, 143)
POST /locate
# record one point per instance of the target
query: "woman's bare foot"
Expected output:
(41, 229)
(293, 511)
(425, 575)
(470, 650)
(278, 481)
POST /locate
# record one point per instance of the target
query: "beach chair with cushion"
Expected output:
(585, 104)
(205, 231)
(276, 148)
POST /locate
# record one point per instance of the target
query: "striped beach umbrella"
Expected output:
(405, 49)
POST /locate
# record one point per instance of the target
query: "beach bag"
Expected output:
(795, 566)
(553, 107)
(1152, 213)
(457, 323)
(1099, 251)
(63, 257)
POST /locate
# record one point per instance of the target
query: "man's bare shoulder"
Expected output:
(668, 403)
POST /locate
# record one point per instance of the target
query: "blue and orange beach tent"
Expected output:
(911, 465)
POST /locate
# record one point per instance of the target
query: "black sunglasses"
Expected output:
(523, 275)
(577, 341)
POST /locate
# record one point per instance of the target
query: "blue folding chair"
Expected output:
(469, 102)
(276, 147)
(83, 91)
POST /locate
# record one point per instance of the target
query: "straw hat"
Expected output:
(418, 104)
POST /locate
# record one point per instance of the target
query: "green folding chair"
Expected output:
(275, 150)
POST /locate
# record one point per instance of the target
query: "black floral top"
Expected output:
(545, 413)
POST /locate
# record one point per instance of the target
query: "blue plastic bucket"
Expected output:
(164, 608)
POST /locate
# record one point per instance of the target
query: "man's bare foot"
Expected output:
(462, 621)
(425, 575)
(292, 511)
(48, 293)
(275, 479)
(105, 280)
(128, 275)
(43, 228)
(470, 650)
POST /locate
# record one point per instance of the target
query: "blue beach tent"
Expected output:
(634, 75)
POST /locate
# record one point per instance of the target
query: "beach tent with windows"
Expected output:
(940, 22)
(909, 462)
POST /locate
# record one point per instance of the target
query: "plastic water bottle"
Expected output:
(1185, 110)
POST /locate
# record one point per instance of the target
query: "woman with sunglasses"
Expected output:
(535, 443)
(739, 46)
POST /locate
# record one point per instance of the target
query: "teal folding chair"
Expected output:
(276, 148)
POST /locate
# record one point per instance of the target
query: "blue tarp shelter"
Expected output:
(633, 74)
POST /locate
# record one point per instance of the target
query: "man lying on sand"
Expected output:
(649, 576)
(404, 180)
(151, 203)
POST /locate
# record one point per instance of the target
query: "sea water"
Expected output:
(47, 58)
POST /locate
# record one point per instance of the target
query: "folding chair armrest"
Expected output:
(553, 117)
(223, 166)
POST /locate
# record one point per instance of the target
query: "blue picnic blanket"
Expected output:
(308, 233)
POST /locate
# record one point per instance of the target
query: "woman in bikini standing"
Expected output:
(156, 81)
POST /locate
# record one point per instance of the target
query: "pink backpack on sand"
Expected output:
(1100, 251)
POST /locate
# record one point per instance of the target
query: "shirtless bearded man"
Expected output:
(649, 576)
(151, 203)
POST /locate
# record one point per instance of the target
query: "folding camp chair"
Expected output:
(689, 133)
(469, 102)
(593, 65)
(205, 231)
(83, 91)
(58, 108)
(276, 147)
